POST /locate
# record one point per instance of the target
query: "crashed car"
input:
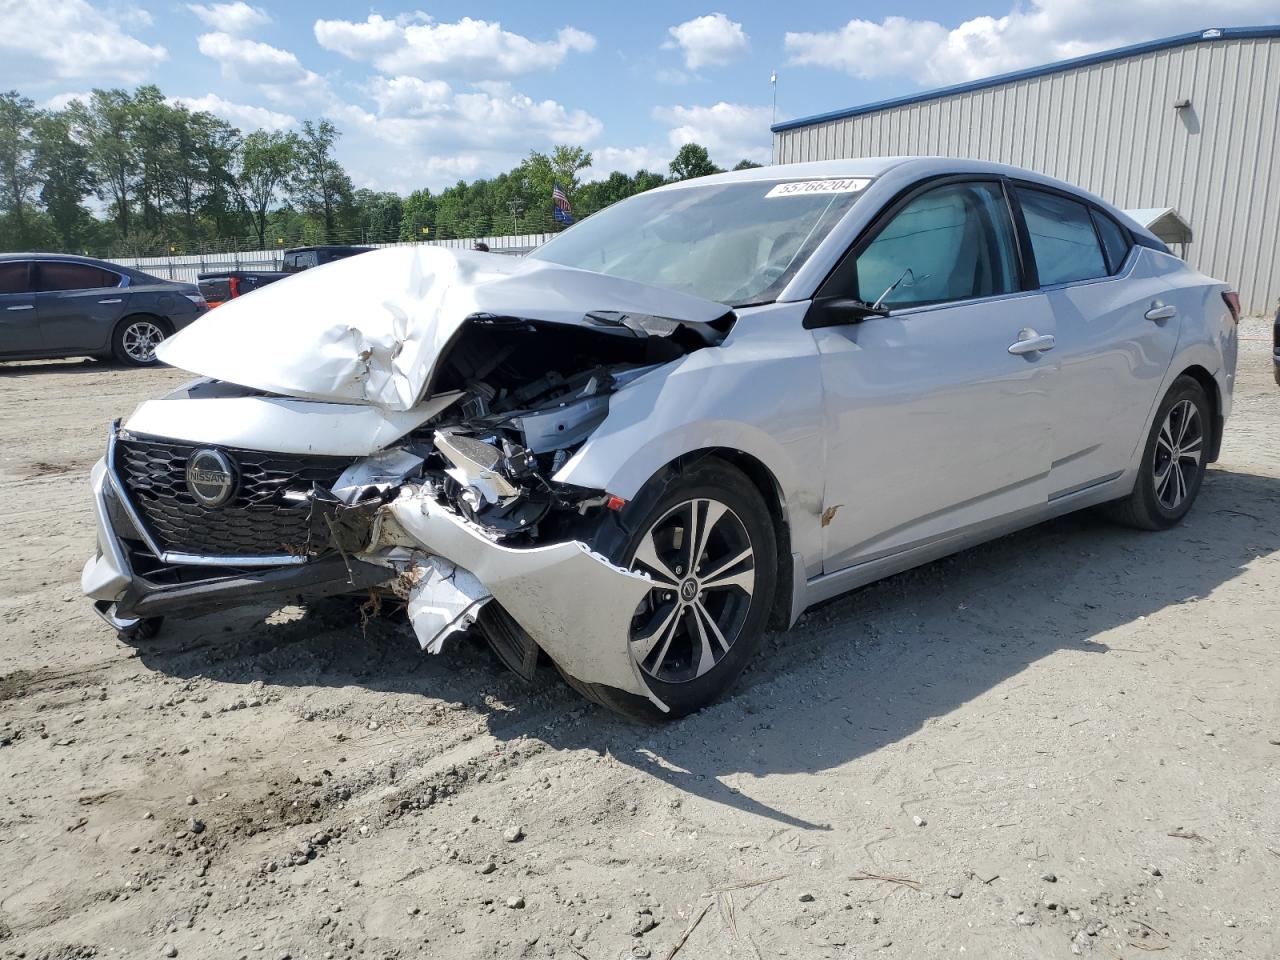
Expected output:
(693, 415)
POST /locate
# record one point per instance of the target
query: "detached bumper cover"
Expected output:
(575, 604)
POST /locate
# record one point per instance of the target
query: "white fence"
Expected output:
(189, 267)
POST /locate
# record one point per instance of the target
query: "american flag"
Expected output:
(563, 211)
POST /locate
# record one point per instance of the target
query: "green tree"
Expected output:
(18, 175)
(692, 160)
(62, 164)
(201, 180)
(377, 215)
(106, 126)
(156, 128)
(419, 211)
(746, 165)
(320, 185)
(268, 163)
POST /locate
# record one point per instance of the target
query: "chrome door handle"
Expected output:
(1158, 311)
(112, 300)
(1030, 342)
(25, 306)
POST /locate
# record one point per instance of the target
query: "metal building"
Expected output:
(1190, 123)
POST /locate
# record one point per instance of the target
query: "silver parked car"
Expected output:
(693, 415)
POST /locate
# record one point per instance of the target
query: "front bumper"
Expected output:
(573, 603)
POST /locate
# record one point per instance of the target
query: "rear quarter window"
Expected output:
(1115, 241)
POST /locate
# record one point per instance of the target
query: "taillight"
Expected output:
(1233, 304)
(234, 284)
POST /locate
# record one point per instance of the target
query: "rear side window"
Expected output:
(1115, 241)
(1063, 240)
(13, 277)
(56, 276)
(954, 242)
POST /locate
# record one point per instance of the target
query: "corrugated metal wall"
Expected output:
(1112, 128)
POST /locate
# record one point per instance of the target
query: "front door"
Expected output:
(19, 329)
(937, 416)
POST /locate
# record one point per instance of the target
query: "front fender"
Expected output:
(760, 393)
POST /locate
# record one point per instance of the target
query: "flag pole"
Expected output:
(773, 117)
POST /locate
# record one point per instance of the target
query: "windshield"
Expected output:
(736, 243)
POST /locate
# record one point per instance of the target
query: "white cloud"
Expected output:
(278, 73)
(243, 115)
(710, 41)
(1040, 32)
(605, 160)
(237, 18)
(474, 48)
(61, 101)
(424, 133)
(70, 40)
(730, 131)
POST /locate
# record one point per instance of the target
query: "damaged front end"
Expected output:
(460, 518)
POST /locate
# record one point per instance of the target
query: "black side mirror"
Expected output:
(839, 311)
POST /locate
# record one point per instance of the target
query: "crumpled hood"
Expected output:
(370, 328)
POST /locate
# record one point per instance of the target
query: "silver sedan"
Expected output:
(686, 419)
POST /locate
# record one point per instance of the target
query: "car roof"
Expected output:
(65, 257)
(907, 168)
(904, 170)
(328, 246)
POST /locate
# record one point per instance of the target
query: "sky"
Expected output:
(426, 94)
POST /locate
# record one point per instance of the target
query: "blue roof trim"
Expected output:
(1181, 40)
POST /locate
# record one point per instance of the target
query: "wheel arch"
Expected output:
(1213, 393)
(764, 480)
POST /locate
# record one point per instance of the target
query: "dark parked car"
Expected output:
(1275, 345)
(297, 259)
(56, 305)
(219, 287)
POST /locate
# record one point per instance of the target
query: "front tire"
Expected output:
(135, 340)
(1173, 462)
(705, 536)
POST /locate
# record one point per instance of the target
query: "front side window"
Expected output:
(55, 276)
(954, 242)
(1063, 240)
(13, 277)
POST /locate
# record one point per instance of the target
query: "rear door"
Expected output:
(935, 426)
(1116, 333)
(19, 329)
(78, 304)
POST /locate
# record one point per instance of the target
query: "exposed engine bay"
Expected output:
(460, 509)
(526, 395)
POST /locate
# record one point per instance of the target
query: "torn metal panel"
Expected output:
(377, 473)
(445, 600)
(280, 424)
(574, 603)
(371, 329)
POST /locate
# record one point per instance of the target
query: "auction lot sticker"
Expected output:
(847, 185)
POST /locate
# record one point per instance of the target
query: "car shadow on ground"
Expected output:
(25, 368)
(864, 671)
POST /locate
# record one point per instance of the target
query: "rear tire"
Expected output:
(136, 338)
(687, 666)
(1173, 462)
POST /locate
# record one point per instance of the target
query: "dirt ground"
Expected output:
(1063, 743)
